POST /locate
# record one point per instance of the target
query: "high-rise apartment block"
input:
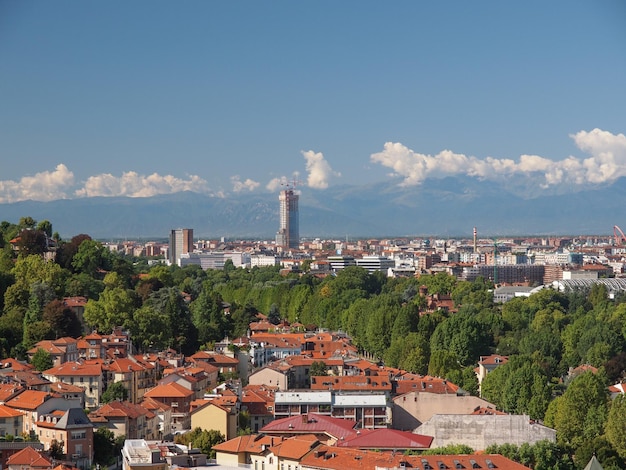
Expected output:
(181, 241)
(288, 235)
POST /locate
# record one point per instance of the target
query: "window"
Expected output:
(79, 435)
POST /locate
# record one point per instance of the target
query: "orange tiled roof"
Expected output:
(28, 400)
(30, 458)
(76, 369)
(296, 447)
(15, 365)
(154, 405)
(8, 391)
(8, 412)
(351, 382)
(427, 384)
(171, 390)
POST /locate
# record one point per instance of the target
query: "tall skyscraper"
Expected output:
(181, 241)
(288, 235)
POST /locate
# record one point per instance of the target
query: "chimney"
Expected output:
(305, 418)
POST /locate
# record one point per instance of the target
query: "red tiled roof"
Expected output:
(384, 439)
(337, 428)
(493, 359)
(335, 458)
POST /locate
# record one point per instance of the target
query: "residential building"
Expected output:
(178, 398)
(224, 363)
(181, 241)
(488, 364)
(87, 375)
(34, 403)
(163, 415)
(91, 347)
(11, 421)
(192, 378)
(61, 350)
(28, 459)
(258, 402)
(136, 377)
(215, 415)
(125, 418)
(7, 449)
(369, 410)
(73, 429)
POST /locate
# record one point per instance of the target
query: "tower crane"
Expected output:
(620, 238)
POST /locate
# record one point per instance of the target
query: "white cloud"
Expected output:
(606, 163)
(132, 184)
(318, 169)
(44, 186)
(247, 185)
(275, 183)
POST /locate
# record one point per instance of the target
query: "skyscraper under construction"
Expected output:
(288, 235)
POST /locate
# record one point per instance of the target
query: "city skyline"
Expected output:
(141, 99)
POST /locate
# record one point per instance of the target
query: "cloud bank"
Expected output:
(60, 184)
(44, 186)
(247, 185)
(606, 164)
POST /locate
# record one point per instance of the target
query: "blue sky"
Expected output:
(144, 97)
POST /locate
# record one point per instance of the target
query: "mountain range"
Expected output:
(447, 207)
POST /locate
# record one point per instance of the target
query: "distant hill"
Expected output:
(443, 207)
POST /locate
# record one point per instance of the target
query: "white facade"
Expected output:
(212, 260)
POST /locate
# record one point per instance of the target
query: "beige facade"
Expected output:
(212, 416)
(271, 378)
(11, 421)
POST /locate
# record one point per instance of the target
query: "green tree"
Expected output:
(92, 258)
(62, 319)
(616, 424)
(32, 242)
(581, 412)
(114, 308)
(42, 360)
(106, 446)
(115, 391)
(202, 439)
(604, 452)
(318, 368)
(56, 449)
(463, 335)
(519, 386)
(150, 329)
(170, 302)
(207, 314)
